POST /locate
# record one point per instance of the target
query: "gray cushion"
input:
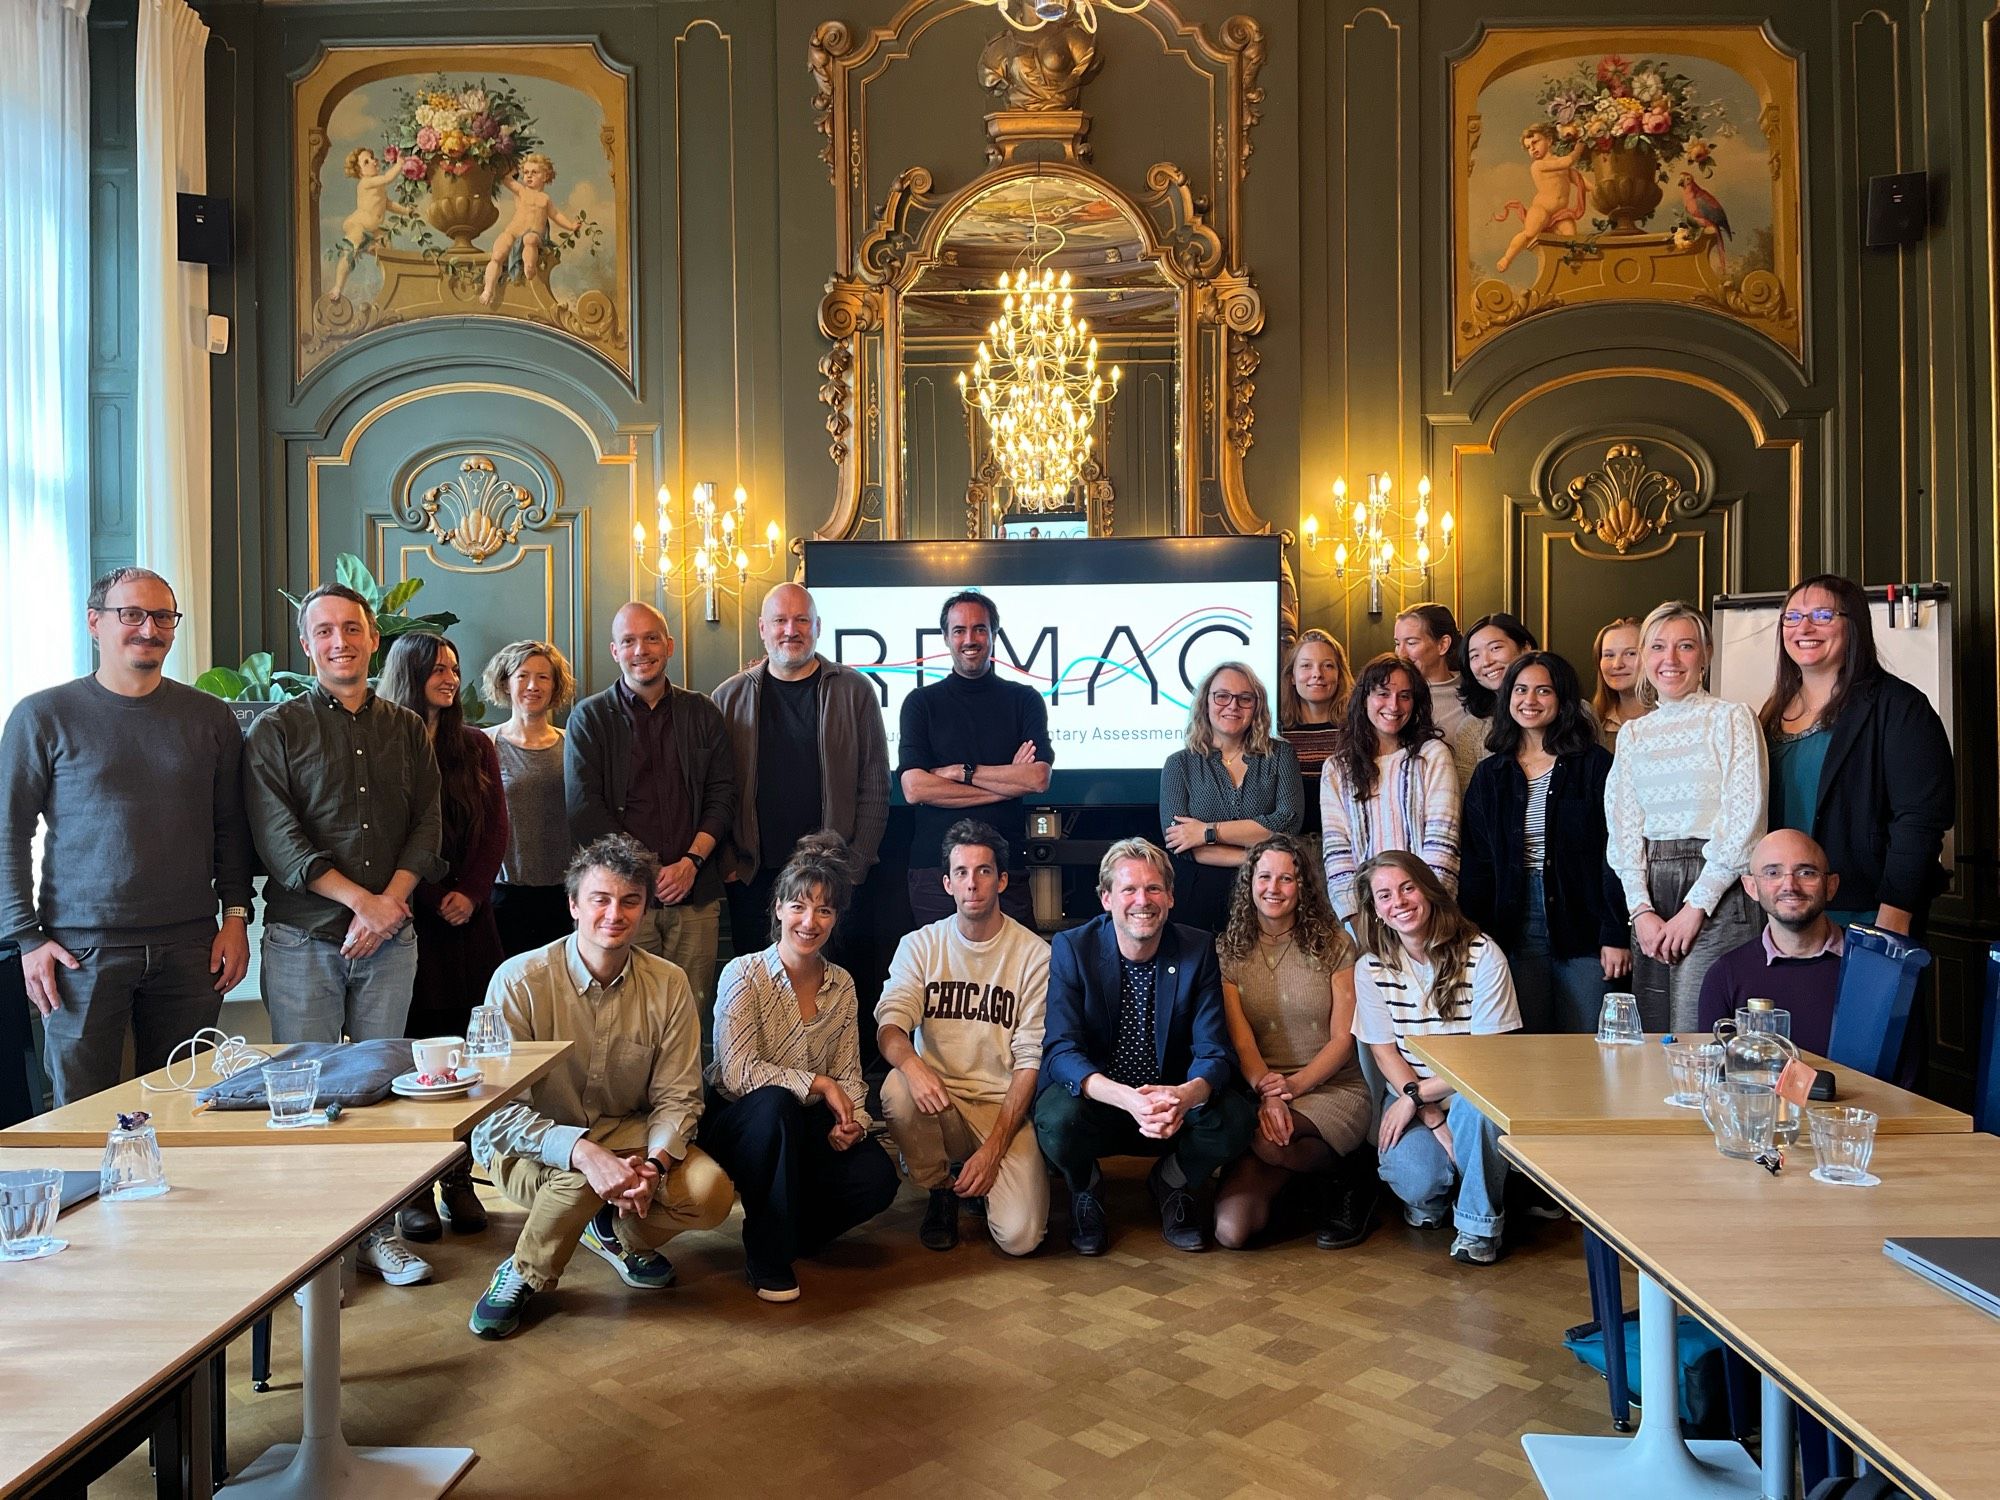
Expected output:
(350, 1074)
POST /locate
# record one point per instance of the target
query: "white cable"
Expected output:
(232, 1055)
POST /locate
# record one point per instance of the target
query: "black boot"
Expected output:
(462, 1208)
(1352, 1189)
(418, 1218)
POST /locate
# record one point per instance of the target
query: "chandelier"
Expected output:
(1033, 15)
(714, 549)
(1379, 525)
(1035, 385)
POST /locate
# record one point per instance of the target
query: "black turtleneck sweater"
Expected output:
(984, 720)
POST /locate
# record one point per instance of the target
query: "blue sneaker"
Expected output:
(650, 1272)
(500, 1307)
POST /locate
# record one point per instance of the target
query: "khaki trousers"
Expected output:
(1017, 1209)
(561, 1203)
(687, 936)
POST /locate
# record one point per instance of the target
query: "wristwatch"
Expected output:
(965, 771)
(659, 1165)
(236, 911)
(1208, 834)
(697, 860)
(1413, 1091)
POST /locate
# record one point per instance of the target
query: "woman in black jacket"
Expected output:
(1533, 872)
(1859, 759)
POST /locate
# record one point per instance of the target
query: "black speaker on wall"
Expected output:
(204, 225)
(1899, 210)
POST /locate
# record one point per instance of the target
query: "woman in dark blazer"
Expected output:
(1859, 759)
(1533, 872)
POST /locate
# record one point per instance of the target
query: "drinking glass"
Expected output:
(487, 1033)
(1696, 1067)
(29, 1203)
(132, 1167)
(292, 1088)
(1618, 1022)
(1843, 1140)
(1742, 1114)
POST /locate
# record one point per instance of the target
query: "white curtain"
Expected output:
(44, 348)
(172, 484)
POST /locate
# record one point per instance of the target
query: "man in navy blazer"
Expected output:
(1135, 1057)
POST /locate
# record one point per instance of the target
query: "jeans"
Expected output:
(1419, 1172)
(1074, 1132)
(162, 992)
(798, 1192)
(1555, 994)
(315, 994)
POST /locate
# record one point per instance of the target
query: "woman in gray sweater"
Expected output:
(1234, 786)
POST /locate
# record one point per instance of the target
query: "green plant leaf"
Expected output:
(473, 705)
(222, 682)
(257, 669)
(401, 594)
(353, 572)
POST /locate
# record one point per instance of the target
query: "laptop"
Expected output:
(1967, 1266)
(77, 1187)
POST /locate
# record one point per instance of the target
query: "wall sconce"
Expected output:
(1391, 545)
(716, 538)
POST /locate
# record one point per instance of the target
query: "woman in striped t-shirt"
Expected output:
(1425, 970)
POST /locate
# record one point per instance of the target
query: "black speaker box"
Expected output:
(205, 233)
(1899, 210)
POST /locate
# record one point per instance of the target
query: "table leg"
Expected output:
(320, 1466)
(1780, 1439)
(1656, 1462)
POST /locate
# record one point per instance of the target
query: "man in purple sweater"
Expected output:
(1795, 961)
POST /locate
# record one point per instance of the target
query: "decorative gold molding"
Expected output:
(477, 516)
(1624, 502)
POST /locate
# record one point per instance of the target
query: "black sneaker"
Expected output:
(417, 1220)
(1178, 1225)
(974, 1206)
(940, 1231)
(1349, 1215)
(772, 1286)
(460, 1203)
(1088, 1234)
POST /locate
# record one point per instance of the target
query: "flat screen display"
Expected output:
(1115, 633)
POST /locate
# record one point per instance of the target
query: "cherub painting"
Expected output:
(427, 188)
(518, 247)
(1560, 192)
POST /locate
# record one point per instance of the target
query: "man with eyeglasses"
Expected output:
(971, 740)
(139, 781)
(1795, 961)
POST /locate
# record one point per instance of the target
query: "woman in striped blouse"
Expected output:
(786, 1115)
(1684, 805)
(1426, 970)
(1391, 786)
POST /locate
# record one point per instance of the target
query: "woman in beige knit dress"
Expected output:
(1288, 995)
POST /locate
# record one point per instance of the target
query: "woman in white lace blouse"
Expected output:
(1684, 805)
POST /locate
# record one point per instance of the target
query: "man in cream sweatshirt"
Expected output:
(960, 1023)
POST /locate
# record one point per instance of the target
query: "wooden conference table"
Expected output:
(1539, 1088)
(320, 1466)
(94, 1333)
(1791, 1273)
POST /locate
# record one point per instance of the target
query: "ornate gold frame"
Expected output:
(1191, 227)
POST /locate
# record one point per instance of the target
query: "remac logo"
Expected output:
(1136, 662)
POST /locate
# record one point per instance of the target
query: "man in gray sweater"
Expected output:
(139, 780)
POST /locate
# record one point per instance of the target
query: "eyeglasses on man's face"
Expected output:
(1245, 701)
(132, 614)
(1820, 616)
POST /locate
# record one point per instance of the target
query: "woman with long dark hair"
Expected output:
(1235, 784)
(1534, 873)
(1312, 702)
(1491, 646)
(1392, 785)
(1427, 970)
(1684, 805)
(1288, 998)
(458, 946)
(1616, 700)
(1859, 759)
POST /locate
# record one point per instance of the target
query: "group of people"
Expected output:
(1494, 850)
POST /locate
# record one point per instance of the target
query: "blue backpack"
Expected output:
(1704, 1389)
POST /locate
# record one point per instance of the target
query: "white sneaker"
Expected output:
(1416, 1218)
(389, 1258)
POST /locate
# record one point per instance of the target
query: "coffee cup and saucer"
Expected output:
(440, 1071)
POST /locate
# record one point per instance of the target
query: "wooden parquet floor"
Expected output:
(1384, 1371)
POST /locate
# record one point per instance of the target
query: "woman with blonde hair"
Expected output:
(1684, 805)
(1288, 1000)
(1426, 970)
(1616, 702)
(1312, 701)
(1233, 786)
(533, 681)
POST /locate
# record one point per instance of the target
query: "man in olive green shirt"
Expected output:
(602, 1150)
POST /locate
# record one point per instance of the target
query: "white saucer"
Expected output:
(1866, 1179)
(406, 1085)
